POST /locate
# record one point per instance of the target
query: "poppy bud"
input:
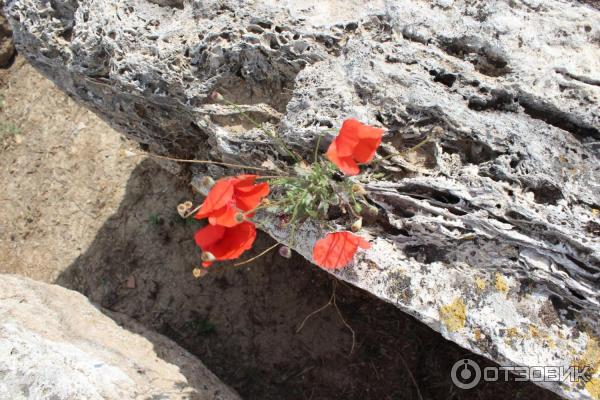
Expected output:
(207, 182)
(372, 211)
(357, 225)
(215, 97)
(285, 252)
(184, 208)
(207, 256)
(239, 217)
(358, 188)
(199, 272)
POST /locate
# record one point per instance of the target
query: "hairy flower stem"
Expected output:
(200, 161)
(257, 256)
(316, 158)
(193, 211)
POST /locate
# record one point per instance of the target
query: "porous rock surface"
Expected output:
(54, 344)
(490, 233)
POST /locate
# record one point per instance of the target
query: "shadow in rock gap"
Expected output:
(242, 321)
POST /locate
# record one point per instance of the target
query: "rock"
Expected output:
(54, 344)
(488, 234)
(7, 48)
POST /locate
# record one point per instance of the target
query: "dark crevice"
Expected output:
(593, 228)
(444, 77)
(551, 115)
(384, 223)
(427, 252)
(584, 79)
(423, 192)
(488, 59)
(169, 3)
(470, 151)
(499, 100)
(545, 192)
(587, 268)
(577, 294)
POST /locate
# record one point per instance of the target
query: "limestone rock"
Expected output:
(54, 344)
(489, 234)
(7, 48)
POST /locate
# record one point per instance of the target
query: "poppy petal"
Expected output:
(226, 243)
(225, 216)
(337, 249)
(345, 164)
(249, 198)
(370, 132)
(239, 239)
(348, 137)
(365, 150)
(220, 194)
(208, 235)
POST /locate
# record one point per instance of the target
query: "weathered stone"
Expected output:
(54, 344)
(488, 234)
(7, 48)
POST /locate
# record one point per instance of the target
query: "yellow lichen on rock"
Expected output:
(593, 388)
(501, 284)
(512, 332)
(454, 315)
(591, 356)
(534, 331)
(480, 283)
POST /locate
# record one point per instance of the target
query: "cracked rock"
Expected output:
(54, 344)
(488, 234)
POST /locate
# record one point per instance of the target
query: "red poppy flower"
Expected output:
(337, 249)
(225, 243)
(230, 196)
(356, 143)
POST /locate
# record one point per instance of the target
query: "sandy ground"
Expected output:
(61, 175)
(74, 211)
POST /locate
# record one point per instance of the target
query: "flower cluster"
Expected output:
(228, 205)
(232, 201)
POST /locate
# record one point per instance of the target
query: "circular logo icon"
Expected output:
(465, 374)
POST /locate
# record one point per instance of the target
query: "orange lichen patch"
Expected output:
(477, 334)
(595, 212)
(481, 284)
(454, 315)
(593, 388)
(501, 283)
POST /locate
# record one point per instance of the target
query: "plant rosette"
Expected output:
(315, 191)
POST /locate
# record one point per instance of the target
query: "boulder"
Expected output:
(54, 344)
(489, 234)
